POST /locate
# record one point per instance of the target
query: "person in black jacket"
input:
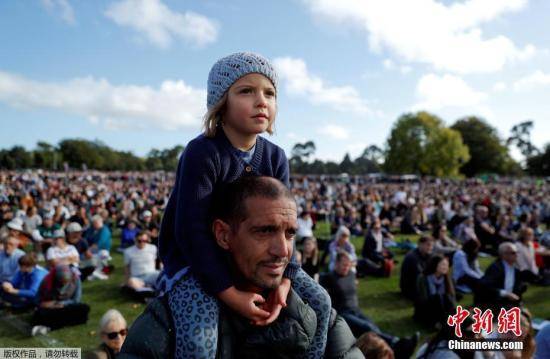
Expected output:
(502, 285)
(341, 284)
(254, 225)
(376, 258)
(414, 265)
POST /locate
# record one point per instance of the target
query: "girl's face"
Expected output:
(442, 267)
(251, 105)
(309, 246)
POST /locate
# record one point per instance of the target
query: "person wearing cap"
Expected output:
(61, 252)
(15, 228)
(46, 231)
(148, 224)
(87, 260)
(9, 258)
(21, 291)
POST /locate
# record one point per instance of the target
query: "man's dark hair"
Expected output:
(27, 260)
(341, 254)
(425, 239)
(230, 202)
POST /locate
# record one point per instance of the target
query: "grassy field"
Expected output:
(379, 298)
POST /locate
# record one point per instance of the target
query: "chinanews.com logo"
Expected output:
(508, 321)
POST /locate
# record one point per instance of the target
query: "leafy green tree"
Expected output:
(487, 152)
(45, 155)
(15, 158)
(347, 165)
(539, 164)
(420, 143)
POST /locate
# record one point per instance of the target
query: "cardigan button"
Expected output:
(248, 168)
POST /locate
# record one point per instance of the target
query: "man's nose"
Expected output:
(280, 246)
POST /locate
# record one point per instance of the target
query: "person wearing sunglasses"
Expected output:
(502, 284)
(112, 331)
(139, 261)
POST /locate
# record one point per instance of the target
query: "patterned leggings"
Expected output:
(195, 314)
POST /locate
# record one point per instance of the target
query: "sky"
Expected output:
(132, 73)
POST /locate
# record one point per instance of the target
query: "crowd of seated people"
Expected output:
(56, 231)
(68, 220)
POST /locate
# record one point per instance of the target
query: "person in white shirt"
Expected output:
(139, 262)
(305, 226)
(62, 252)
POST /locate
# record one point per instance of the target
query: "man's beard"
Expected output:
(269, 282)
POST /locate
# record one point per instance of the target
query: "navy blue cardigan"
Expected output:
(185, 237)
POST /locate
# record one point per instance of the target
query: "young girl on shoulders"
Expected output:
(242, 103)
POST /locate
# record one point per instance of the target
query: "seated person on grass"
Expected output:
(414, 265)
(9, 258)
(61, 252)
(341, 284)
(87, 260)
(502, 284)
(59, 301)
(139, 263)
(21, 292)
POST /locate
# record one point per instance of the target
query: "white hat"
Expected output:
(146, 213)
(16, 224)
(74, 227)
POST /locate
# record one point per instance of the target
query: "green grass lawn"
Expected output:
(379, 298)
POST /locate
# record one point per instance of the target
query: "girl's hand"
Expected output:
(246, 304)
(275, 302)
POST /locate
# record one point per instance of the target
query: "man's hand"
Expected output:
(247, 304)
(275, 302)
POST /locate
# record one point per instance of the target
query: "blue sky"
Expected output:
(132, 73)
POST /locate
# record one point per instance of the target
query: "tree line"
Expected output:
(419, 143)
(84, 154)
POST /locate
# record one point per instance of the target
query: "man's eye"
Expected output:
(246, 90)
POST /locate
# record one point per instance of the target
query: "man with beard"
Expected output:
(255, 221)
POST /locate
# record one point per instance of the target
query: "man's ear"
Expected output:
(221, 233)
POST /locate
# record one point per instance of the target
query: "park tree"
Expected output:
(370, 160)
(520, 135)
(539, 164)
(15, 158)
(347, 166)
(300, 155)
(46, 156)
(420, 143)
(487, 152)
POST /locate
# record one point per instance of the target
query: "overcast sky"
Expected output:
(132, 73)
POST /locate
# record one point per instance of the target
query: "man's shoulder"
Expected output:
(151, 334)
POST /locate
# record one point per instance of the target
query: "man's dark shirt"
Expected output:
(342, 290)
(414, 264)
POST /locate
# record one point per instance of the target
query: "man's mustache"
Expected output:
(275, 261)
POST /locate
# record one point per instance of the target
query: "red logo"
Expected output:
(508, 321)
